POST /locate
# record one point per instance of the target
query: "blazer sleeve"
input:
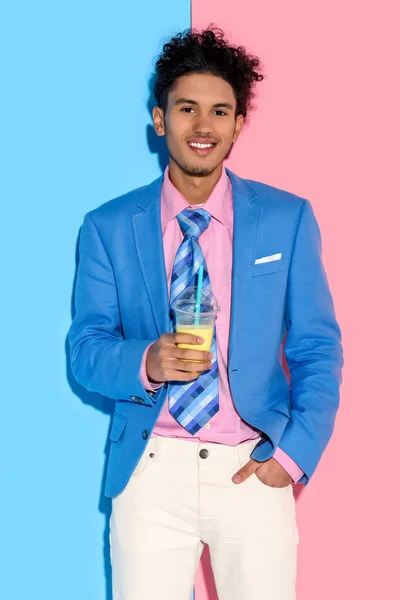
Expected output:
(313, 350)
(101, 359)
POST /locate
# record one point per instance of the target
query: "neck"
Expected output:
(195, 190)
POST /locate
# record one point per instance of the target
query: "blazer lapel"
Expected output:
(149, 247)
(245, 229)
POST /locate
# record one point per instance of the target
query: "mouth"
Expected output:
(202, 148)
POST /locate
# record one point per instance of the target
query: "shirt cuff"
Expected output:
(288, 464)
(148, 386)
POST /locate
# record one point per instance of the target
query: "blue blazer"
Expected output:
(121, 300)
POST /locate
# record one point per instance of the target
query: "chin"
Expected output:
(197, 170)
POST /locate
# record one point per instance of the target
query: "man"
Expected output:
(205, 446)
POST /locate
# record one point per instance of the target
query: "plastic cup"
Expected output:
(201, 323)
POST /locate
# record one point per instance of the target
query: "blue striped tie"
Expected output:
(193, 403)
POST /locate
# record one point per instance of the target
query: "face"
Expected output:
(199, 123)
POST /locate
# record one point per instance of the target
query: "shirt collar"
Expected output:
(218, 204)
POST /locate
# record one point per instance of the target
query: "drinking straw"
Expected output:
(198, 295)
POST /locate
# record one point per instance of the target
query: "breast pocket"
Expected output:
(266, 268)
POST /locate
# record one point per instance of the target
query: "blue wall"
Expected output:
(75, 116)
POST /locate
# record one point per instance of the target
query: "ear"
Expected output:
(158, 120)
(238, 127)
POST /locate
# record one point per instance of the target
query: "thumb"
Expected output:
(245, 472)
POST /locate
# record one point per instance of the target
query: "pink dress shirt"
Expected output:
(226, 426)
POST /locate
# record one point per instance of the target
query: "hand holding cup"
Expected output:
(167, 362)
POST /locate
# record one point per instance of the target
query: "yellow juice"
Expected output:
(205, 332)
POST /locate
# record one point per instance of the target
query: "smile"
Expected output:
(196, 145)
(202, 148)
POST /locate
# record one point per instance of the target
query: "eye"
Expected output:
(187, 109)
(221, 113)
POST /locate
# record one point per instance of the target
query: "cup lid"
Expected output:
(187, 301)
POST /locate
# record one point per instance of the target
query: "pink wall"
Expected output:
(327, 128)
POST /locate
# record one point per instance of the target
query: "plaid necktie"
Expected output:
(193, 403)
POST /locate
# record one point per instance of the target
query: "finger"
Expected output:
(183, 365)
(245, 471)
(186, 338)
(187, 354)
(181, 376)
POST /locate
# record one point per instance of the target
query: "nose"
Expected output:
(203, 125)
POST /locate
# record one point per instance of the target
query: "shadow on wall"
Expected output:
(106, 406)
(156, 144)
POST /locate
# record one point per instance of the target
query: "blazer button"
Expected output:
(203, 453)
(165, 385)
(144, 434)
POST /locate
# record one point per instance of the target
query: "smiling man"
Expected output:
(201, 125)
(205, 446)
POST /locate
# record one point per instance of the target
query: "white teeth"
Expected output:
(195, 145)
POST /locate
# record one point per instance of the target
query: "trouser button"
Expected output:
(203, 453)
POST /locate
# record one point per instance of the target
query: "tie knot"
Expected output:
(193, 222)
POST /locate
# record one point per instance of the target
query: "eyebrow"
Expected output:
(194, 103)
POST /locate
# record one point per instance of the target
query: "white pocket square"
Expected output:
(269, 258)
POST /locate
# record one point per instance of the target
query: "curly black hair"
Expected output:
(207, 52)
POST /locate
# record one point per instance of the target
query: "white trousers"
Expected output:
(176, 501)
